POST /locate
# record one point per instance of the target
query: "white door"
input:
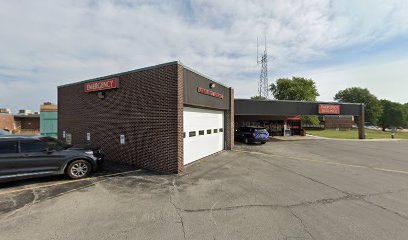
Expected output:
(204, 133)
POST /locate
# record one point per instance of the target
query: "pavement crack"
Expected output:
(36, 196)
(348, 196)
(13, 201)
(180, 217)
(178, 210)
(385, 209)
(276, 206)
(303, 224)
(309, 178)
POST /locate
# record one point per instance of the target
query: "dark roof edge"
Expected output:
(27, 116)
(202, 75)
(122, 73)
(144, 69)
(269, 100)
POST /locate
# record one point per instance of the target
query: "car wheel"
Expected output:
(78, 169)
(246, 140)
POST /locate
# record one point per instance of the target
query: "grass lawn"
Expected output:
(353, 134)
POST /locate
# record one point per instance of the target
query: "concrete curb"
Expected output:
(359, 140)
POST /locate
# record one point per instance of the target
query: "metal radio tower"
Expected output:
(263, 85)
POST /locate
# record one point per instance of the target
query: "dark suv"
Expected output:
(34, 156)
(252, 134)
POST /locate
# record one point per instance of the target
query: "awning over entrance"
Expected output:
(248, 110)
(290, 108)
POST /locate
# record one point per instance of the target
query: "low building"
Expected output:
(338, 122)
(24, 112)
(5, 110)
(166, 116)
(276, 125)
(158, 118)
(27, 123)
(284, 115)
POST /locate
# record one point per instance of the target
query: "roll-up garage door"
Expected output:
(203, 133)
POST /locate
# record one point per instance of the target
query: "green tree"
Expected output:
(297, 88)
(405, 115)
(372, 108)
(258, 98)
(392, 114)
(312, 120)
(404, 108)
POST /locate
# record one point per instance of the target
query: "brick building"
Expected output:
(158, 118)
(23, 123)
(166, 116)
(27, 124)
(338, 122)
(7, 122)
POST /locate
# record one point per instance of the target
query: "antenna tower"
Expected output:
(263, 85)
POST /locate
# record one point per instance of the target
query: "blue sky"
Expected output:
(339, 44)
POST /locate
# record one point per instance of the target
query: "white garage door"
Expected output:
(204, 133)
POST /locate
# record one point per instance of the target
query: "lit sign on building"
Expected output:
(101, 85)
(210, 93)
(329, 109)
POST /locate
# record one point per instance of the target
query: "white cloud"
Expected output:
(47, 43)
(387, 79)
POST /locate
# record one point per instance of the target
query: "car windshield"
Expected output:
(53, 143)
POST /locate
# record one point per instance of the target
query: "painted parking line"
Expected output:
(93, 179)
(325, 162)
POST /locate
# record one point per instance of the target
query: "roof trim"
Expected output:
(295, 101)
(143, 69)
(27, 116)
(121, 73)
(202, 75)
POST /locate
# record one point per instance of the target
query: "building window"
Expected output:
(215, 130)
(221, 130)
(201, 132)
(209, 131)
(192, 134)
(184, 134)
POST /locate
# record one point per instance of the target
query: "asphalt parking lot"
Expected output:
(307, 189)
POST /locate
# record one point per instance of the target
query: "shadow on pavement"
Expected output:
(17, 194)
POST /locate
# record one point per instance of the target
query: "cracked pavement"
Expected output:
(309, 189)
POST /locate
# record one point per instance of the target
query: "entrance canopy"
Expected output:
(293, 108)
(246, 109)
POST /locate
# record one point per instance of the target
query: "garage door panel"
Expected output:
(199, 146)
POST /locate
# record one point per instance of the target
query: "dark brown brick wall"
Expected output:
(341, 122)
(147, 108)
(180, 107)
(28, 123)
(229, 123)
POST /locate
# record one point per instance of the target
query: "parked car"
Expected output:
(4, 132)
(252, 135)
(36, 156)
